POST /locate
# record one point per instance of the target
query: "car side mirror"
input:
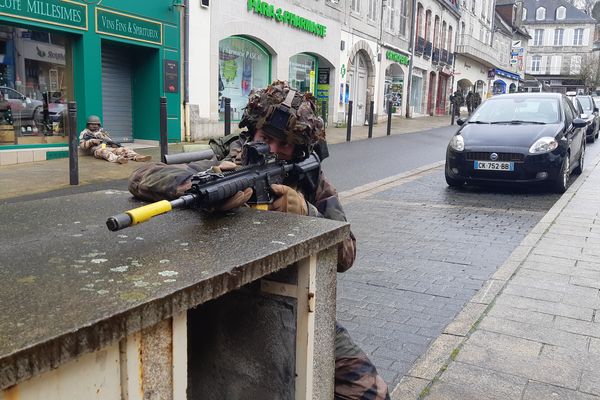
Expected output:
(460, 121)
(27, 100)
(579, 123)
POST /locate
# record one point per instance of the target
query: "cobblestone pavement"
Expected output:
(423, 251)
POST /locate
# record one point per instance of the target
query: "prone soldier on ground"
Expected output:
(94, 140)
(286, 121)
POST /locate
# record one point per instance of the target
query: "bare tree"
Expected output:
(590, 71)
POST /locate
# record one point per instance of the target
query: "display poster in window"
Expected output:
(243, 66)
(323, 77)
(171, 76)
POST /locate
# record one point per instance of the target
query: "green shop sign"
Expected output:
(128, 27)
(56, 12)
(280, 15)
(400, 58)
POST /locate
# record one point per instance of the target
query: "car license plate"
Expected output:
(494, 165)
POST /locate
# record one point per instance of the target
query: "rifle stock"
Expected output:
(210, 189)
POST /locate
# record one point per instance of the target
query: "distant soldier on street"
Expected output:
(93, 140)
(457, 101)
(470, 102)
(476, 100)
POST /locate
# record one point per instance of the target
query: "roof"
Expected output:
(529, 95)
(573, 14)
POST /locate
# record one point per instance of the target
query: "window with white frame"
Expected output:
(524, 14)
(538, 37)
(402, 13)
(561, 12)
(355, 6)
(536, 63)
(372, 10)
(578, 37)
(558, 36)
(540, 14)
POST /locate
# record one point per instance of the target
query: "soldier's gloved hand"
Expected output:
(235, 201)
(96, 142)
(226, 166)
(288, 200)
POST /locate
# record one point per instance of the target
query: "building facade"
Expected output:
(433, 46)
(114, 60)
(252, 43)
(561, 44)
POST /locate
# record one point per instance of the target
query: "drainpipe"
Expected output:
(412, 56)
(186, 70)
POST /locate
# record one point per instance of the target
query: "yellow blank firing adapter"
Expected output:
(138, 215)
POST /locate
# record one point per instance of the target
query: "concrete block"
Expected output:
(8, 158)
(25, 156)
(465, 320)
(39, 155)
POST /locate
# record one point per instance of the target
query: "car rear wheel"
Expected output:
(453, 182)
(560, 186)
(579, 168)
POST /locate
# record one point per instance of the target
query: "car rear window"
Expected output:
(586, 103)
(521, 109)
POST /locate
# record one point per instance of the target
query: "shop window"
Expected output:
(243, 66)
(302, 72)
(35, 84)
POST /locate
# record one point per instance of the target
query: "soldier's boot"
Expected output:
(142, 158)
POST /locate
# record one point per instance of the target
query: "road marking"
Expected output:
(371, 188)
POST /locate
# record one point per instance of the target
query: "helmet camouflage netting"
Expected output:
(304, 127)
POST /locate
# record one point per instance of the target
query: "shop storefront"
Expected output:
(416, 95)
(115, 60)
(244, 65)
(504, 81)
(256, 42)
(393, 89)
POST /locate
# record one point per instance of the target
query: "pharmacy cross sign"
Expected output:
(343, 70)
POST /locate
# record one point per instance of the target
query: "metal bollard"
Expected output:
(452, 114)
(349, 123)
(371, 109)
(46, 112)
(389, 121)
(164, 138)
(324, 112)
(73, 148)
(227, 119)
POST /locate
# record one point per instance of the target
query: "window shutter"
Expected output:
(586, 36)
(548, 37)
(544, 65)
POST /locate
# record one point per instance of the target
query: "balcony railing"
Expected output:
(444, 56)
(435, 57)
(420, 49)
(427, 52)
(478, 50)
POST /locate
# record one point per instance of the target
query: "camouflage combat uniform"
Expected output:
(355, 375)
(105, 151)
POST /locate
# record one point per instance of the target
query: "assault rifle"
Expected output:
(209, 188)
(109, 142)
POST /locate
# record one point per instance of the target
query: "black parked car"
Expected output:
(520, 137)
(591, 114)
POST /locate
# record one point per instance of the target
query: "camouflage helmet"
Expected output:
(93, 119)
(286, 114)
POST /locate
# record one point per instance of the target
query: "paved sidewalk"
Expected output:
(39, 177)
(532, 331)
